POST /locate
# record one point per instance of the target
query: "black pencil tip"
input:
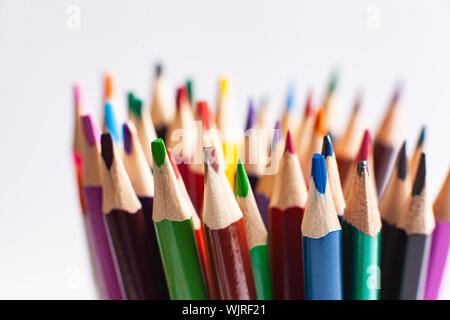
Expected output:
(327, 147)
(419, 181)
(361, 167)
(158, 69)
(402, 162)
(107, 149)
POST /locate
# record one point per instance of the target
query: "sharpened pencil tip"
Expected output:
(127, 138)
(111, 122)
(158, 151)
(364, 149)
(327, 147)
(397, 93)
(320, 122)
(309, 109)
(333, 82)
(224, 86)
(319, 172)
(419, 181)
(90, 130)
(107, 149)
(211, 159)
(402, 164)
(251, 116)
(290, 98)
(204, 114)
(422, 136)
(289, 144)
(241, 181)
(79, 95)
(277, 135)
(158, 70)
(362, 167)
(109, 87)
(190, 89)
(358, 102)
(173, 163)
(135, 107)
(182, 96)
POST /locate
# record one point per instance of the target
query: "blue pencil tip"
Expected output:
(319, 172)
(290, 98)
(327, 147)
(111, 123)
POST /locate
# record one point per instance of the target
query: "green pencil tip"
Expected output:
(158, 151)
(190, 89)
(241, 181)
(333, 82)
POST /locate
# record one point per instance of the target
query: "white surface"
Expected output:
(263, 45)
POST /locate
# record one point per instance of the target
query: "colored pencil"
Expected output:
(315, 145)
(199, 232)
(391, 206)
(175, 231)
(256, 234)
(385, 139)
(321, 231)
(262, 123)
(190, 90)
(440, 244)
(225, 232)
(333, 177)
(162, 107)
(361, 239)
(109, 276)
(125, 222)
(287, 121)
(181, 134)
(224, 117)
(347, 146)
(140, 116)
(417, 221)
(285, 218)
(253, 154)
(420, 147)
(141, 223)
(77, 140)
(329, 106)
(265, 185)
(305, 130)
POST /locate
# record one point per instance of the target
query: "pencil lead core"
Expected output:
(320, 122)
(127, 140)
(90, 129)
(422, 136)
(158, 151)
(402, 166)
(182, 96)
(319, 172)
(108, 82)
(289, 144)
(277, 135)
(251, 117)
(204, 114)
(110, 120)
(241, 181)
(158, 70)
(363, 154)
(362, 167)
(419, 181)
(107, 149)
(290, 98)
(327, 147)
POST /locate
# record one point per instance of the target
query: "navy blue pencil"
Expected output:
(321, 230)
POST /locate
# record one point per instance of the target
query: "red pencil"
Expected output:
(225, 231)
(285, 218)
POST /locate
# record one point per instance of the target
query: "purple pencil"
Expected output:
(265, 184)
(110, 282)
(440, 242)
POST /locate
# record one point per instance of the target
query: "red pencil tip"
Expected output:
(289, 144)
(204, 114)
(182, 96)
(364, 149)
(309, 109)
(173, 163)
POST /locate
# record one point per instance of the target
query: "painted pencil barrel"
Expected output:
(180, 259)
(261, 271)
(263, 206)
(440, 246)
(323, 267)
(206, 265)
(105, 258)
(361, 264)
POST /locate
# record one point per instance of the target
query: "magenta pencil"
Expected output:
(110, 282)
(440, 243)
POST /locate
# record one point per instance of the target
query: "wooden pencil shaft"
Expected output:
(415, 267)
(231, 262)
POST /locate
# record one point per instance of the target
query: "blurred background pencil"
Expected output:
(420, 147)
(256, 234)
(225, 231)
(287, 120)
(305, 129)
(321, 231)
(285, 218)
(440, 244)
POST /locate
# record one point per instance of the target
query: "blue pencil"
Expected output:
(321, 230)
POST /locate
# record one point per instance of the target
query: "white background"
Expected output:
(263, 45)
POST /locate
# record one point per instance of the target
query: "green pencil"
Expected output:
(361, 239)
(175, 232)
(256, 234)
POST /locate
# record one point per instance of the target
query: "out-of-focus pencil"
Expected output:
(361, 239)
(79, 100)
(287, 120)
(392, 205)
(315, 145)
(347, 146)
(110, 279)
(162, 105)
(420, 147)
(385, 139)
(329, 105)
(321, 231)
(175, 231)
(190, 90)
(141, 225)
(417, 221)
(306, 129)
(256, 234)
(285, 218)
(440, 243)
(333, 177)
(225, 231)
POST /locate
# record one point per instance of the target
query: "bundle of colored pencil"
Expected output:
(227, 214)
